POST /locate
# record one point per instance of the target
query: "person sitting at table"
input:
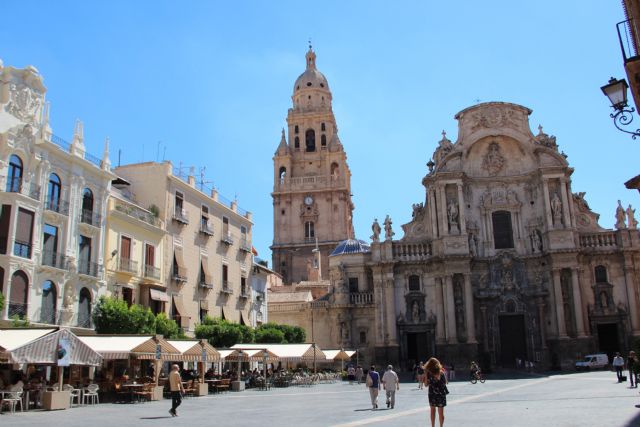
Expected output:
(18, 385)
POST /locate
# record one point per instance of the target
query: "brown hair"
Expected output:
(433, 366)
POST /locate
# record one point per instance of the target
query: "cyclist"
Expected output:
(474, 370)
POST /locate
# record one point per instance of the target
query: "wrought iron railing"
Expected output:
(22, 249)
(90, 217)
(226, 287)
(206, 229)
(181, 215)
(85, 320)
(17, 310)
(245, 244)
(48, 316)
(179, 274)
(66, 146)
(14, 184)
(54, 259)
(137, 213)
(152, 272)
(627, 36)
(57, 205)
(227, 238)
(127, 265)
(89, 268)
(206, 282)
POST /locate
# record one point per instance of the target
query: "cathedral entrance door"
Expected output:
(513, 344)
(417, 347)
(608, 338)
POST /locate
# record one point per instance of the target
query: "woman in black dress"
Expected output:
(436, 380)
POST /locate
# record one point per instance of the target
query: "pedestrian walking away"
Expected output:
(632, 366)
(176, 388)
(391, 385)
(373, 384)
(420, 374)
(359, 374)
(436, 381)
(618, 365)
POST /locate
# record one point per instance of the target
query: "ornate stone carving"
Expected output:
(24, 102)
(388, 232)
(494, 117)
(620, 217)
(556, 209)
(493, 161)
(500, 197)
(631, 220)
(536, 241)
(545, 140)
(452, 215)
(375, 227)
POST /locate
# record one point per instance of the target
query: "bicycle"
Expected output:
(477, 376)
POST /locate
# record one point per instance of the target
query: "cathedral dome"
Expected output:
(311, 78)
(351, 246)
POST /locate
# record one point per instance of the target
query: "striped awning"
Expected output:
(290, 352)
(192, 351)
(255, 354)
(44, 348)
(126, 346)
(336, 354)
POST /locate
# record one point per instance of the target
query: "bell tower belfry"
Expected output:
(312, 207)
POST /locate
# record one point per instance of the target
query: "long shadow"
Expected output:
(635, 422)
(371, 410)
(154, 418)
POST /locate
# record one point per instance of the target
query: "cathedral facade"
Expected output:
(500, 261)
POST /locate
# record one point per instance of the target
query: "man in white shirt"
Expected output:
(618, 364)
(391, 384)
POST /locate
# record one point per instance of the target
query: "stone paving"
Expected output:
(585, 399)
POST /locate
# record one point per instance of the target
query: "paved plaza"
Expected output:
(585, 399)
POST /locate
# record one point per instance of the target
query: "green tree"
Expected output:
(269, 336)
(1, 302)
(114, 316)
(222, 333)
(292, 334)
(168, 328)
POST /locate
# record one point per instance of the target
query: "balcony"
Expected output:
(48, 316)
(181, 216)
(411, 251)
(56, 260)
(17, 310)
(309, 183)
(89, 268)
(89, 217)
(22, 249)
(127, 265)
(245, 245)
(226, 288)
(206, 229)
(206, 283)
(244, 294)
(599, 241)
(361, 298)
(628, 36)
(137, 213)
(179, 275)
(15, 185)
(151, 272)
(84, 321)
(227, 238)
(57, 206)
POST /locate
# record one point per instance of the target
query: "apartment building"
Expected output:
(207, 246)
(262, 279)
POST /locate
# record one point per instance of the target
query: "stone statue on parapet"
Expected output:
(375, 227)
(388, 232)
(632, 224)
(620, 217)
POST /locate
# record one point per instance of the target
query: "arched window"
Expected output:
(18, 295)
(502, 231)
(323, 140)
(601, 274)
(296, 130)
(87, 206)
(84, 308)
(296, 143)
(49, 303)
(309, 230)
(310, 140)
(334, 169)
(414, 283)
(53, 192)
(282, 174)
(14, 177)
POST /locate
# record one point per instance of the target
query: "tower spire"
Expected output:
(311, 57)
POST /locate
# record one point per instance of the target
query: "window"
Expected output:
(225, 226)
(14, 177)
(323, 127)
(5, 219)
(601, 274)
(243, 285)
(414, 283)
(127, 296)
(49, 245)
(18, 295)
(282, 174)
(84, 309)
(53, 193)
(309, 231)
(363, 337)
(296, 143)
(334, 169)
(49, 299)
(310, 140)
(84, 251)
(225, 275)
(87, 206)
(353, 284)
(179, 203)
(323, 140)
(24, 234)
(502, 232)
(125, 254)
(204, 218)
(296, 130)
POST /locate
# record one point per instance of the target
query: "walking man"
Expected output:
(632, 366)
(373, 384)
(176, 388)
(618, 365)
(391, 384)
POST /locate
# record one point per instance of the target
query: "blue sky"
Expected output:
(212, 82)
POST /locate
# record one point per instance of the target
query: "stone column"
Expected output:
(461, 211)
(469, 314)
(444, 228)
(452, 337)
(391, 310)
(543, 337)
(565, 204)
(557, 292)
(441, 335)
(433, 212)
(379, 307)
(631, 296)
(547, 203)
(577, 303)
(485, 328)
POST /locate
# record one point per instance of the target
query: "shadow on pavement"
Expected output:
(634, 422)
(154, 418)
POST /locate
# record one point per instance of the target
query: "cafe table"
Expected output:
(132, 387)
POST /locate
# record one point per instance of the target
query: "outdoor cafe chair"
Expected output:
(74, 394)
(12, 399)
(90, 394)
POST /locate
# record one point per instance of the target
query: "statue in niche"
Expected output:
(556, 209)
(375, 227)
(415, 312)
(473, 244)
(452, 214)
(620, 217)
(388, 232)
(507, 279)
(536, 241)
(493, 160)
(632, 224)
(603, 299)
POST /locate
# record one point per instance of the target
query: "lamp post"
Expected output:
(616, 91)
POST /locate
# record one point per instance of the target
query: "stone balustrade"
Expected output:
(411, 251)
(604, 240)
(361, 298)
(309, 183)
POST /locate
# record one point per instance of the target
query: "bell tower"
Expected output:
(312, 207)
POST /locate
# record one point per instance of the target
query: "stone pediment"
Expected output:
(493, 118)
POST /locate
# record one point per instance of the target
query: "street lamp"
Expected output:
(616, 91)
